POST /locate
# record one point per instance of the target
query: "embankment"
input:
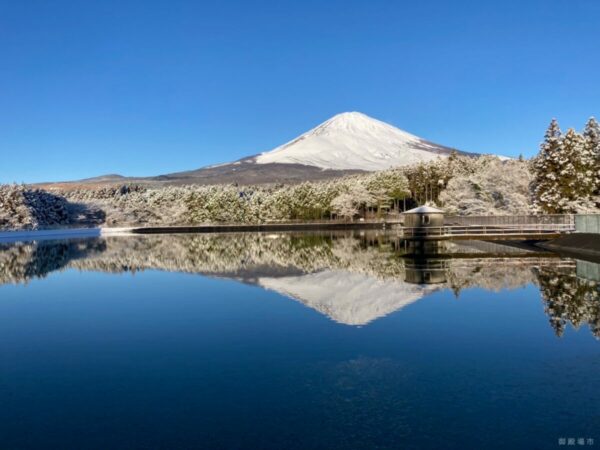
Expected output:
(576, 245)
(267, 227)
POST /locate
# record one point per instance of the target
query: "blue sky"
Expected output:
(150, 87)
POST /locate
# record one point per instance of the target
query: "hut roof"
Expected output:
(424, 210)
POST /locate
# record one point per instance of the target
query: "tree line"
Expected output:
(566, 171)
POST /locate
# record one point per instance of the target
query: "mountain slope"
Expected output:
(347, 143)
(354, 141)
(247, 172)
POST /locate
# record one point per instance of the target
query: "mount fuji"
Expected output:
(347, 143)
(354, 141)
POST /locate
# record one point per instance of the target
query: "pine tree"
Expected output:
(575, 180)
(592, 149)
(546, 167)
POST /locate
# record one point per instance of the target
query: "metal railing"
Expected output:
(510, 220)
(483, 230)
(324, 221)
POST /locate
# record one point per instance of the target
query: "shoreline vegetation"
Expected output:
(563, 178)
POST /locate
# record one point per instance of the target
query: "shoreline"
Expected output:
(577, 245)
(62, 233)
(241, 228)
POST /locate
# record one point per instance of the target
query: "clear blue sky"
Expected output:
(150, 87)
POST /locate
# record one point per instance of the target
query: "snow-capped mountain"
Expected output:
(354, 141)
(347, 143)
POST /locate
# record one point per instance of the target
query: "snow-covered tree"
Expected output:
(547, 166)
(591, 134)
(495, 188)
(388, 186)
(344, 206)
(353, 200)
(22, 207)
(565, 171)
(577, 177)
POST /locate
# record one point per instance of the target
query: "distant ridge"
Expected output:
(107, 177)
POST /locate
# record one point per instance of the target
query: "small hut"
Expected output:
(424, 223)
(423, 217)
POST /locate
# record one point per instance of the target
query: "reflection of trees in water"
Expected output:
(20, 262)
(208, 254)
(372, 254)
(569, 299)
(495, 274)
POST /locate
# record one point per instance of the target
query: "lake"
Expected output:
(296, 341)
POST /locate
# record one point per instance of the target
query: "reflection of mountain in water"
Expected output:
(353, 279)
(346, 297)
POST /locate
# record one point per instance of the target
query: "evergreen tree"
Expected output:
(575, 178)
(592, 149)
(547, 166)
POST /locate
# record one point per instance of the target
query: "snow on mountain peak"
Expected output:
(354, 119)
(353, 140)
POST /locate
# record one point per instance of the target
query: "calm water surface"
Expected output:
(295, 341)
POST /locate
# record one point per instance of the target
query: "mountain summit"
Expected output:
(354, 141)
